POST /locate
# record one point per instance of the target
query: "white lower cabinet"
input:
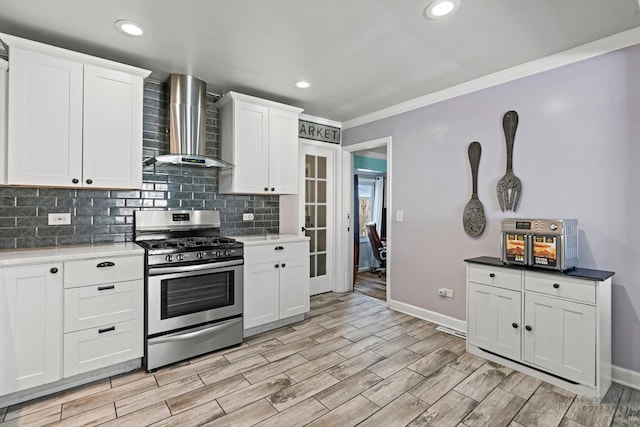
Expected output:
(276, 282)
(103, 315)
(549, 325)
(30, 326)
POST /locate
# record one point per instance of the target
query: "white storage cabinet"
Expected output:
(103, 314)
(260, 138)
(30, 326)
(4, 67)
(276, 282)
(548, 325)
(74, 120)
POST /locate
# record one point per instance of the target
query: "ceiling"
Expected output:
(360, 56)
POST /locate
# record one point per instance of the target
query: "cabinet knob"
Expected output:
(528, 328)
(266, 188)
(54, 270)
(75, 180)
(515, 325)
(556, 285)
(492, 275)
(89, 181)
(273, 189)
(277, 266)
(283, 265)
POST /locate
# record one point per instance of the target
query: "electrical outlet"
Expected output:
(247, 217)
(59, 218)
(444, 292)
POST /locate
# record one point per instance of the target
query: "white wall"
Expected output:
(577, 152)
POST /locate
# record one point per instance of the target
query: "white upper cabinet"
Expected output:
(4, 66)
(260, 138)
(73, 120)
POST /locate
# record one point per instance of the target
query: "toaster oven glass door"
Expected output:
(546, 251)
(515, 248)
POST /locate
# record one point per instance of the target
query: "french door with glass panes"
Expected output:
(317, 211)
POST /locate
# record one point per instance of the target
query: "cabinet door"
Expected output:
(45, 120)
(283, 151)
(261, 290)
(30, 326)
(251, 173)
(112, 151)
(494, 319)
(562, 337)
(294, 287)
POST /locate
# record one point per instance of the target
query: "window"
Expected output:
(365, 202)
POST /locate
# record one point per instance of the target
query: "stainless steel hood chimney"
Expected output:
(187, 124)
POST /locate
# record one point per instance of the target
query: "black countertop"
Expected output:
(582, 273)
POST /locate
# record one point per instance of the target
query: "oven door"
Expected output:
(183, 296)
(515, 247)
(546, 251)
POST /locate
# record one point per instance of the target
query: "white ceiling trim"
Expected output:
(570, 56)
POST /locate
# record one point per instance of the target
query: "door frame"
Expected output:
(345, 220)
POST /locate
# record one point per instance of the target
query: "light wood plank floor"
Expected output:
(370, 284)
(351, 362)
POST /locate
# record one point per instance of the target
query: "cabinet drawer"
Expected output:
(92, 306)
(275, 252)
(96, 348)
(495, 276)
(103, 270)
(566, 287)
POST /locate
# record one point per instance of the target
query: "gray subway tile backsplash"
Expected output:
(105, 216)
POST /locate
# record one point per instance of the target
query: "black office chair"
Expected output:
(379, 250)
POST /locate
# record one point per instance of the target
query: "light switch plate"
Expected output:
(399, 215)
(59, 218)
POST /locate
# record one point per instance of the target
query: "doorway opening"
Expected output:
(366, 181)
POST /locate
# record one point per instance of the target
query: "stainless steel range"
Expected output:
(194, 285)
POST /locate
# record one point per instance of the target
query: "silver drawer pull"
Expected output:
(109, 329)
(106, 264)
(105, 288)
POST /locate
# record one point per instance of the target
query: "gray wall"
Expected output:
(577, 152)
(99, 216)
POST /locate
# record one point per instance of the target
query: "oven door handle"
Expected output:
(190, 335)
(155, 271)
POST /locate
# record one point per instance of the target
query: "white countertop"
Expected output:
(26, 256)
(270, 238)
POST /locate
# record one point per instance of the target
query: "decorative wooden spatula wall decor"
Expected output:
(473, 219)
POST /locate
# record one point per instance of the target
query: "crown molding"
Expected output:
(580, 53)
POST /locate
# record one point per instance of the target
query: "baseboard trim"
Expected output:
(625, 377)
(431, 316)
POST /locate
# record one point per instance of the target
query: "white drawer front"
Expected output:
(275, 252)
(565, 287)
(96, 348)
(495, 276)
(103, 270)
(92, 306)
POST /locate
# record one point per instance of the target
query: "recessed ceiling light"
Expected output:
(440, 8)
(302, 84)
(129, 27)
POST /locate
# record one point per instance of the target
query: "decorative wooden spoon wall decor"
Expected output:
(473, 218)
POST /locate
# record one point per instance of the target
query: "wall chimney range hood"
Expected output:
(187, 124)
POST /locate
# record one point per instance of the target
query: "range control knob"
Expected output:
(199, 255)
(227, 252)
(168, 258)
(179, 257)
(218, 253)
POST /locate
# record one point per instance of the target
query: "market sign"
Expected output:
(318, 132)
